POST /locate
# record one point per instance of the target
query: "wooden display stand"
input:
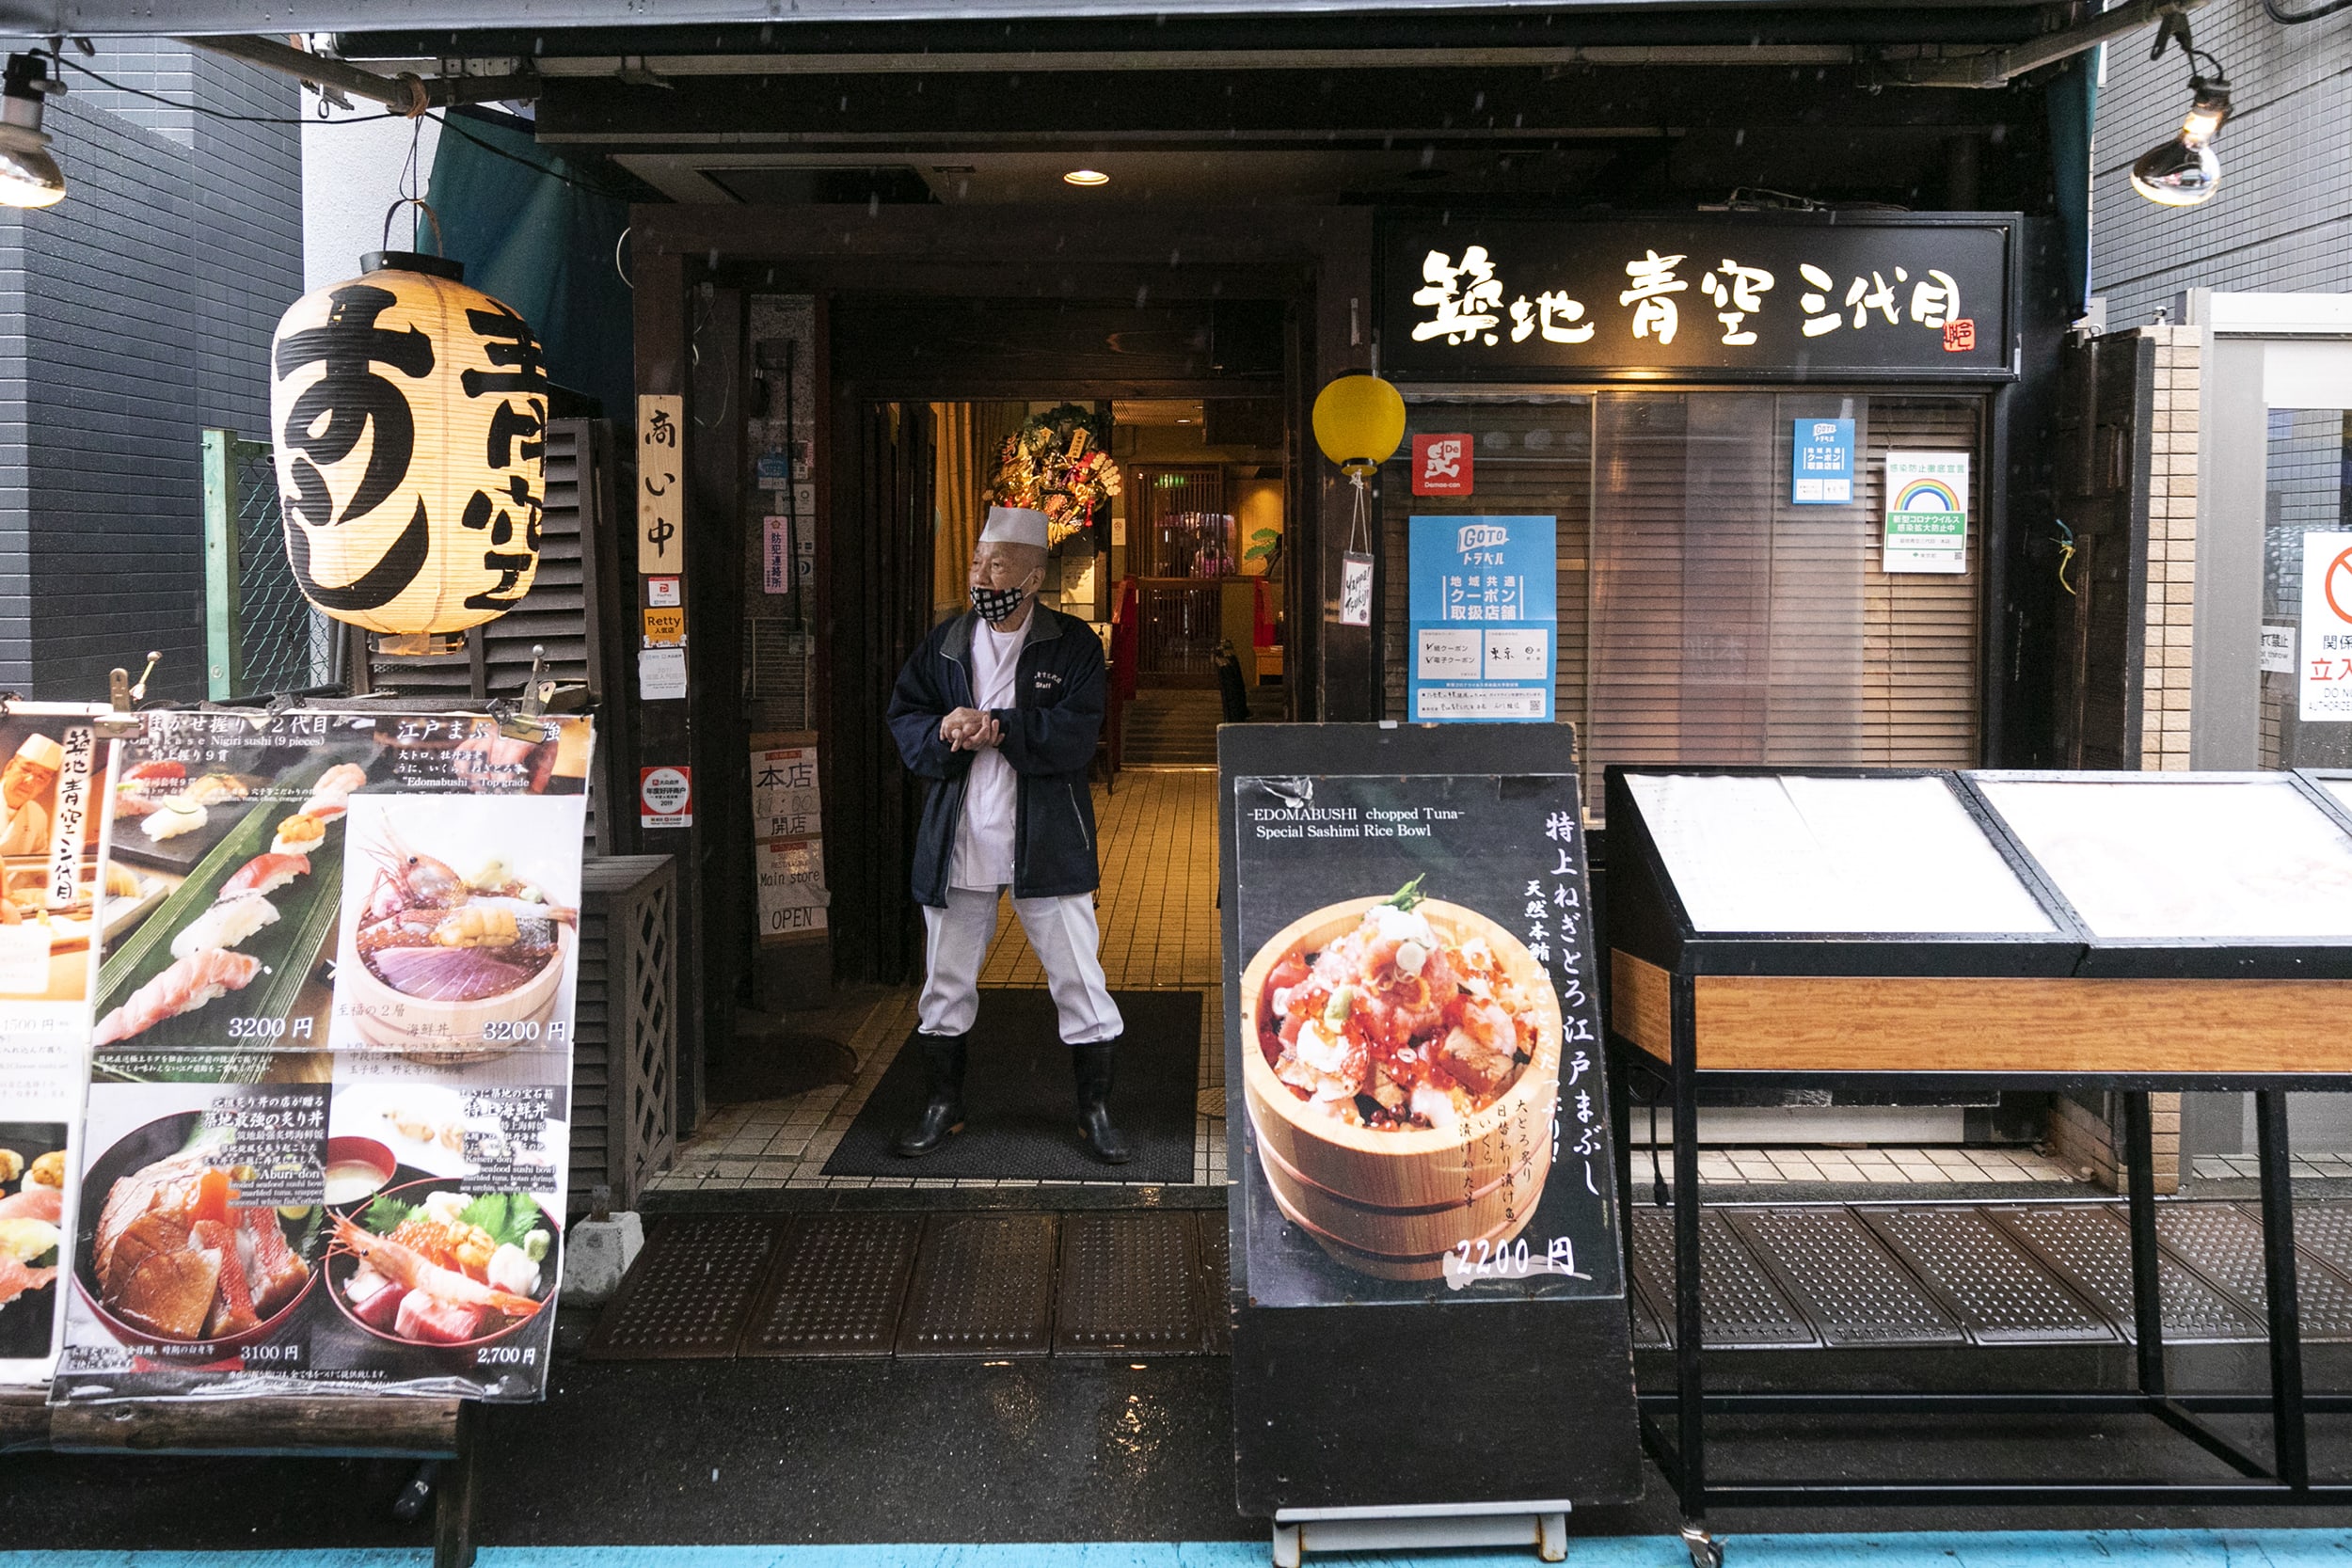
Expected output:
(2055, 1005)
(438, 1433)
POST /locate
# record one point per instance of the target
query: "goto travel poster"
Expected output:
(49, 896)
(330, 1062)
(1415, 1036)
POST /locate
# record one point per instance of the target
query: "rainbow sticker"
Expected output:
(1928, 495)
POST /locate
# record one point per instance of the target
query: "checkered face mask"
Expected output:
(995, 604)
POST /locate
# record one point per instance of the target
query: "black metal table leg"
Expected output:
(452, 1512)
(1689, 1387)
(2291, 1456)
(2147, 1282)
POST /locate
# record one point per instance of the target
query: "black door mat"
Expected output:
(1842, 1279)
(1021, 1120)
(836, 1287)
(1130, 1286)
(983, 1286)
(1216, 1283)
(689, 1292)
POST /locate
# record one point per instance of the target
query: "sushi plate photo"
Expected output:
(32, 1218)
(423, 1266)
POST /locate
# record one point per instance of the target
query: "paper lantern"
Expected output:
(1359, 422)
(410, 413)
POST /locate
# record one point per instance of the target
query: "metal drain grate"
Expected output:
(689, 1292)
(1831, 1267)
(1998, 1290)
(1648, 1333)
(1128, 1286)
(983, 1286)
(1217, 1285)
(2089, 1246)
(1739, 1307)
(2323, 1229)
(836, 1287)
(2225, 1244)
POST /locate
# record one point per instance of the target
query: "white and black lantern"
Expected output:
(410, 413)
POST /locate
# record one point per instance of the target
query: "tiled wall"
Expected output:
(2172, 597)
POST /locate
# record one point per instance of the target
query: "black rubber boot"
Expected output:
(1091, 1063)
(942, 1113)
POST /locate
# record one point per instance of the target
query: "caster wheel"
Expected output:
(1705, 1551)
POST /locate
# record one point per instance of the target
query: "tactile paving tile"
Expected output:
(1999, 1292)
(2089, 1246)
(983, 1286)
(1847, 1286)
(2225, 1244)
(835, 1288)
(1216, 1265)
(2323, 1229)
(1129, 1286)
(1739, 1307)
(690, 1290)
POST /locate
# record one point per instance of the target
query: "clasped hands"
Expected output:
(968, 729)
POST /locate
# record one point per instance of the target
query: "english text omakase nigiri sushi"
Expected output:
(264, 874)
(187, 985)
(226, 924)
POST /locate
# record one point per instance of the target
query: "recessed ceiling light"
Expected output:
(1085, 177)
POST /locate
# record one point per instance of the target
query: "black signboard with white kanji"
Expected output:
(1729, 296)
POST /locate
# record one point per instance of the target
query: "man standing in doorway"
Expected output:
(1000, 709)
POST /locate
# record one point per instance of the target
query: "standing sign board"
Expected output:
(329, 1103)
(1483, 618)
(2325, 674)
(51, 786)
(1423, 1171)
(787, 833)
(1927, 513)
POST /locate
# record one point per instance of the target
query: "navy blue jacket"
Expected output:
(1049, 738)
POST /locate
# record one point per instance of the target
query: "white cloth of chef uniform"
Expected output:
(1061, 931)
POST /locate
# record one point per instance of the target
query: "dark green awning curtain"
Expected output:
(2072, 102)
(537, 233)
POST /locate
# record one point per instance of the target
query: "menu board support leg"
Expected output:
(1689, 1395)
(2147, 1288)
(453, 1508)
(2286, 1328)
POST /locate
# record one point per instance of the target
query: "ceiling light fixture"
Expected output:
(2181, 170)
(1088, 177)
(29, 177)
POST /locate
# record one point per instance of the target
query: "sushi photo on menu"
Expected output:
(225, 864)
(34, 1162)
(460, 926)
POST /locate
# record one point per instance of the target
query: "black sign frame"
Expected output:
(1584, 260)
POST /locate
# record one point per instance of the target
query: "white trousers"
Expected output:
(1062, 933)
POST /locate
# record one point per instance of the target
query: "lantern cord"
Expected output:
(440, 247)
(1360, 526)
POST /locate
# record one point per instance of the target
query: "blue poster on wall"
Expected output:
(1485, 610)
(1821, 463)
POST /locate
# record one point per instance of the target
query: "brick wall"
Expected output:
(2172, 597)
(2088, 1134)
(133, 314)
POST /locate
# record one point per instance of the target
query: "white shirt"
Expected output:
(983, 856)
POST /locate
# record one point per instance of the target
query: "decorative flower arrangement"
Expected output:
(1059, 464)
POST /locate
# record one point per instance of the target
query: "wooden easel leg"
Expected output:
(452, 1512)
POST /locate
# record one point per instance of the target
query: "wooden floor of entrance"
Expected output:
(1159, 921)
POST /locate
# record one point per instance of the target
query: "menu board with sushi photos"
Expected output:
(49, 872)
(328, 1104)
(1414, 1032)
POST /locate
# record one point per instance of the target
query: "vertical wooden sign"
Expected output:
(660, 483)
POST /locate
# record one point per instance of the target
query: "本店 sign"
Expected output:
(1441, 464)
(1926, 511)
(1821, 463)
(1484, 607)
(2326, 672)
(789, 825)
(660, 482)
(1736, 297)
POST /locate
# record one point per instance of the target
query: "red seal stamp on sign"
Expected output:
(1959, 336)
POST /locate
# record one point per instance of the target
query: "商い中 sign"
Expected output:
(1483, 615)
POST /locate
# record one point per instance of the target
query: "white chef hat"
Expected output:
(1016, 525)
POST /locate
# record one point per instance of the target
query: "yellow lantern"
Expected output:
(410, 414)
(1359, 422)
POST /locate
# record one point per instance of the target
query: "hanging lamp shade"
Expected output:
(410, 416)
(1359, 422)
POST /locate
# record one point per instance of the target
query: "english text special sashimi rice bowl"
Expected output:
(1402, 1074)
